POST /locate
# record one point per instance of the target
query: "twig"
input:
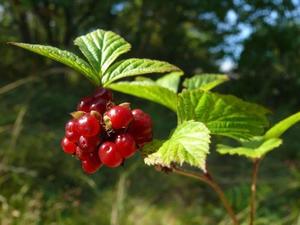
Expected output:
(207, 178)
(253, 191)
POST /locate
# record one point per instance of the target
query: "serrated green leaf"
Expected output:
(254, 149)
(170, 81)
(62, 56)
(101, 48)
(189, 144)
(205, 81)
(148, 90)
(134, 67)
(151, 147)
(278, 129)
(223, 114)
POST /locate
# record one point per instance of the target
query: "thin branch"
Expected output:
(207, 178)
(16, 84)
(18, 127)
(253, 191)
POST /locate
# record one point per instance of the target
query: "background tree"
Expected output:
(39, 185)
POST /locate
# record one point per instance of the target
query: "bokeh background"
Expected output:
(256, 42)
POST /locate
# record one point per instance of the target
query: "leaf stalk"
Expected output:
(253, 191)
(207, 178)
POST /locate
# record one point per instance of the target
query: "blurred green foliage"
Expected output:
(40, 185)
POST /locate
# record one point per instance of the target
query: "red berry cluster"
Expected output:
(103, 133)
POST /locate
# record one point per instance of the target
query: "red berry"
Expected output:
(84, 104)
(81, 154)
(71, 131)
(103, 94)
(99, 105)
(141, 127)
(143, 139)
(88, 144)
(142, 118)
(126, 145)
(109, 155)
(91, 164)
(68, 146)
(88, 125)
(118, 117)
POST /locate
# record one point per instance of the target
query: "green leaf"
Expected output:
(254, 149)
(62, 56)
(205, 81)
(278, 129)
(151, 147)
(134, 67)
(170, 81)
(101, 48)
(189, 144)
(223, 114)
(148, 90)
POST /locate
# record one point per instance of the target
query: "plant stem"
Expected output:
(208, 180)
(253, 191)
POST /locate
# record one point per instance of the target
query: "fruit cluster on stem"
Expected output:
(102, 133)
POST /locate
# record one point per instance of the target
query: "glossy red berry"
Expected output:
(85, 104)
(118, 117)
(141, 127)
(142, 139)
(89, 144)
(88, 125)
(81, 154)
(103, 93)
(71, 131)
(142, 118)
(99, 105)
(126, 145)
(68, 146)
(91, 164)
(109, 154)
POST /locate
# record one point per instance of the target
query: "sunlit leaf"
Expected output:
(170, 81)
(205, 81)
(222, 114)
(101, 48)
(278, 129)
(135, 67)
(62, 56)
(188, 144)
(253, 149)
(148, 90)
(151, 147)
